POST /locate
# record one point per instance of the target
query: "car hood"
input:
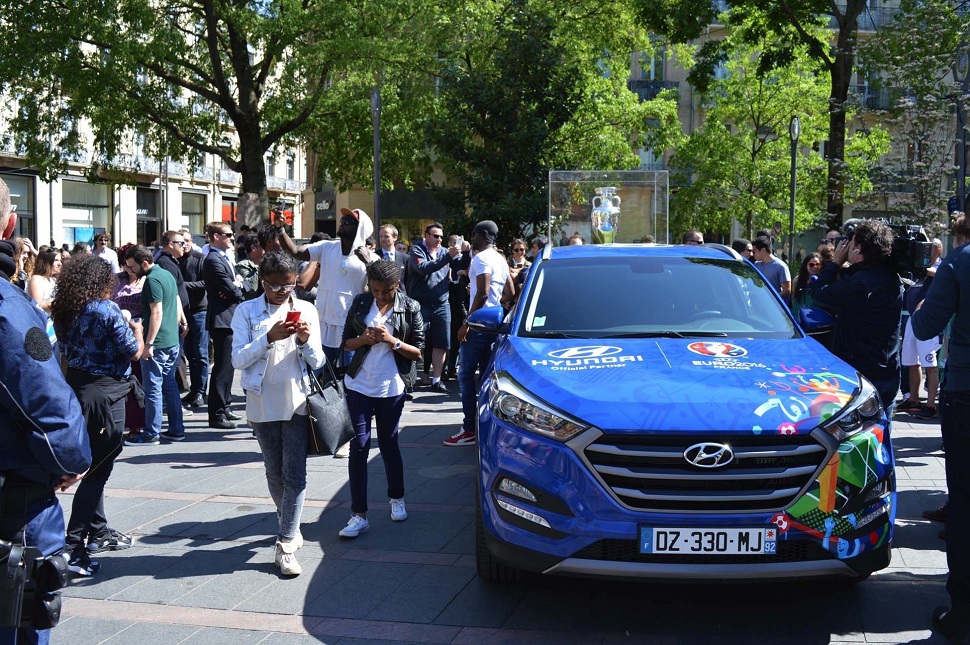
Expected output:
(684, 385)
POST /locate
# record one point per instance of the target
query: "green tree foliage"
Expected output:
(916, 56)
(234, 79)
(533, 86)
(737, 165)
(780, 28)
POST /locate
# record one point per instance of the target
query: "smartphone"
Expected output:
(459, 241)
(292, 317)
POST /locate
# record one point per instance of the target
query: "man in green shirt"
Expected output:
(164, 322)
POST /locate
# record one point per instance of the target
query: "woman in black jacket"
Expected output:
(385, 331)
(98, 342)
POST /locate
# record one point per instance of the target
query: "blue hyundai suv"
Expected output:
(656, 412)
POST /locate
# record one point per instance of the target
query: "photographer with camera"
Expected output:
(44, 449)
(867, 300)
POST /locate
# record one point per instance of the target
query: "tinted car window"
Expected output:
(609, 297)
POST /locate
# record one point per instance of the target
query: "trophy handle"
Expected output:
(594, 201)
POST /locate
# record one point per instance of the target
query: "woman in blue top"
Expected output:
(98, 343)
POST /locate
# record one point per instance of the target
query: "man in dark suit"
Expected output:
(388, 236)
(223, 292)
(197, 340)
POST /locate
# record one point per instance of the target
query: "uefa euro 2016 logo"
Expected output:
(717, 350)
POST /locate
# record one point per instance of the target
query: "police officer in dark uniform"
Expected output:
(43, 439)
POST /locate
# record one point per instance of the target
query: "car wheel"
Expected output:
(489, 567)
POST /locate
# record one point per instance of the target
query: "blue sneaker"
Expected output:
(144, 439)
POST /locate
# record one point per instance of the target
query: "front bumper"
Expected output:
(576, 526)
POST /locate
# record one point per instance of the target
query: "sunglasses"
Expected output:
(519, 250)
(814, 264)
(277, 288)
(437, 237)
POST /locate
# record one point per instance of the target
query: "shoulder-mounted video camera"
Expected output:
(912, 250)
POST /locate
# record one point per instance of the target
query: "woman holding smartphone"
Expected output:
(274, 338)
(385, 331)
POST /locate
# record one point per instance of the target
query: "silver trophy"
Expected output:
(605, 215)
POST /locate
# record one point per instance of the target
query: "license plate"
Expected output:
(707, 541)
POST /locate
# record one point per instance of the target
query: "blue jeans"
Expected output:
(158, 380)
(388, 413)
(197, 350)
(472, 355)
(283, 444)
(45, 530)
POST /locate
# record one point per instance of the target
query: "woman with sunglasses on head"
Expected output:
(44, 279)
(810, 268)
(385, 331)
(275, 337)
(24, 255)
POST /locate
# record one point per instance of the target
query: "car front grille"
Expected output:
(628, 551)
(650, 472)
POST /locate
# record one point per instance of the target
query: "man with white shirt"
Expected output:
(105, 252)
(487, 275)
(342, 274)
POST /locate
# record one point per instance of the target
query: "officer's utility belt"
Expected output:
(29, 581)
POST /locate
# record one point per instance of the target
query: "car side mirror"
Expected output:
(815, 321)
(489, 320)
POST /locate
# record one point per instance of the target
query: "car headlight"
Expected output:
(511, 403)
(861, 412)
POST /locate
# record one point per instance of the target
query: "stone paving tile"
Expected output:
(425, 595)
(150, 511)
(359, 595)
(481, 604)
(218, 482)
(121, 570)
(222, 636)
(153, 633)
(228, 591)
(300, 639)
(293, 595)
(85, 630)
(184, 572)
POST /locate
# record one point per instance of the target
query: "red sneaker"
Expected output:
(463, 438)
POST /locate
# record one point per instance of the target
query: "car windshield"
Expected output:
(631, 296)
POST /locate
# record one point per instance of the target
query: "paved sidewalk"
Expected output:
(201, 569)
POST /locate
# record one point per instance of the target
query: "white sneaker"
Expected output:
(342, 452)
(398, 512)
(355, 526)
(286, 559)
(297, 539)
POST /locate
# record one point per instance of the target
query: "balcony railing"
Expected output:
(648, 90)
(871, 19)
(227, 176)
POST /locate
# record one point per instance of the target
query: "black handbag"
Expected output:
(330, 425)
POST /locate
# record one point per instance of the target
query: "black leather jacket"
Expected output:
(405, 319)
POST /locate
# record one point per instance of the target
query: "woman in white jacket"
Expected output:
(274, 338)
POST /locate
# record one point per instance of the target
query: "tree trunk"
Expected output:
(841, 71)
(254, 202)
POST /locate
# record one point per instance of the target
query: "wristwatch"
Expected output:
(397, 346)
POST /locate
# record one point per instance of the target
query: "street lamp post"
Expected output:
(794, 130)
(375, 114)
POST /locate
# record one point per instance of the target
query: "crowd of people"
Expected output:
(136, 326)
(108, 328)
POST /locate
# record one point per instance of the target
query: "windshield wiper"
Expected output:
(668, 334)
(555, 334)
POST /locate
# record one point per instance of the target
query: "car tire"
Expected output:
(490, 568)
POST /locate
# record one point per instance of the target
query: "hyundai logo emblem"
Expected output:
(709, 455)
(592, 351)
